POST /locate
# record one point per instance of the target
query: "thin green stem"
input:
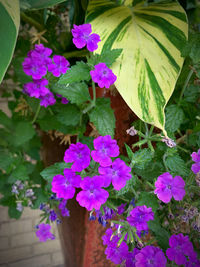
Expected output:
(185, 85)
(147, 129)
(164, 162)
(150, 146)
(183, 149)
(31, 21)
(37, 113)
(94, 93)
(151, 130)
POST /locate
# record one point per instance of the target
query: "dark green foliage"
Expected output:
(77, 73)
(76, 93)
(174, 118)
(102, 116)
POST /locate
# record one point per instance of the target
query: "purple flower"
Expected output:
(82, 37)
(150, 256)
(44, 232)
(33, 68)
(139, 216)
(113, 252)
(36, 88)
(121, 208)
(19, 206)
(130, 261)
(168, 187)
(92, 196)
(193, 261)
(105, 147)
(63, 99)
(118, 173)
(52, 216)
(103, 75)
(180, 246)
(63, 209)
(64, 186)
(47, 100)
(41, 54)
(196, 158)
(35, 64)
(60, 65)
(15, 190)
(79, 154)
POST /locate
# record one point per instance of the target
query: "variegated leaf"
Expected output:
(151, 38)
(9, 25)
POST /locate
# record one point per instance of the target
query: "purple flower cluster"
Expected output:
(44, 233)
(150, 256)
(115, 253)
(196, 158)
(36, 64)
(139, 216)
(180, 249)
(92, 195)
(168, 187)
(63, 209)
(83, 36)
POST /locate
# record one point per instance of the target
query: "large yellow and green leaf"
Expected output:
(151, 38)
(9, 25)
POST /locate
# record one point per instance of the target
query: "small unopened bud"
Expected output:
(169, 142)
(132, 131)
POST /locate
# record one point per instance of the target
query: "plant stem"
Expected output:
(164, 158)
(147, 130)
(37, 113)
(94, 93)
(185, 85)
(31, 21)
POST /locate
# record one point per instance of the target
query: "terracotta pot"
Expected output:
(81, 239)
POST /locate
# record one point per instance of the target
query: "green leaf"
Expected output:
(128, 187)
(108, 57)
(38, 4)
(129, 152)
(6, 160)
(69, 115)
(49, 172)
(152, 37)
(191, 93)
(148, 199)
(5, 120)
(77, 73)
(76, 93)
(151, 171)
(49, 122)
(141, 158)
(103, 118)
(9, 21)
(19, 173)
(177, 165)
(174, 118)
(24, 131)
(160, 233)
(14, 213)
(192, 48)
